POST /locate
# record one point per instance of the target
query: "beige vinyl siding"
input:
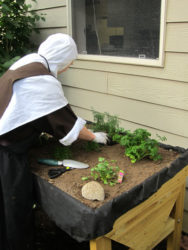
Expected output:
(175, 67)
(45, 4)
(177, 11)
(131, 110)
(177, 37)
(55, 14)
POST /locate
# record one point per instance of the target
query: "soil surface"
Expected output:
(71, 182)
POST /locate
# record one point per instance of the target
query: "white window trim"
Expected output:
(127, 60)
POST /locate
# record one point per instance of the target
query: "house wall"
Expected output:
(155, 98)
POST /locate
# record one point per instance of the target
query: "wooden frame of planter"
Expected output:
(144, 226)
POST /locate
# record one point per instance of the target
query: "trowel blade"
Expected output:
(74, 164)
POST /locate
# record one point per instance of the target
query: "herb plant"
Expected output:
(139, 145)
(92, 146)
(106, 122)
(104, 171)
(62, 152)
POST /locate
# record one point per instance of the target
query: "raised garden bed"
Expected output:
(86, 220)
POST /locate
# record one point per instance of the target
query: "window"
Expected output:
(117, 28)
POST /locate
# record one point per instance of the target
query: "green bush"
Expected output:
(17, 22)
(139, 145)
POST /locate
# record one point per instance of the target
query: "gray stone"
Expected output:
(93, 191)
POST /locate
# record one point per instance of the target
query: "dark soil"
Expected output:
(71, 182)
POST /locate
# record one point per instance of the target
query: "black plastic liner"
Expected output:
(84, 223)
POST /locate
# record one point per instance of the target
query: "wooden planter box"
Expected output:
(154, 213)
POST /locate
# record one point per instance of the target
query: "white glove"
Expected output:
(100, 137)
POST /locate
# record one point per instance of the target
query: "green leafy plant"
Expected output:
(104, 171)
(17, 22)
(106, 122)
(5, 65)
(139, 145)
(62, 152)
(92, 146)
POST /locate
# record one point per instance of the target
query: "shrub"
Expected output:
(17, 22)
(139, 145)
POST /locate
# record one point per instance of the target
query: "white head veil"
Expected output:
(59, 50)
(34, 97)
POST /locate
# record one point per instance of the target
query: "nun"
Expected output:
(31, 102)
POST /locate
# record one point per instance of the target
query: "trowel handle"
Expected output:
(50, 162)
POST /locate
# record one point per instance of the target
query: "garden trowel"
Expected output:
(67, 165)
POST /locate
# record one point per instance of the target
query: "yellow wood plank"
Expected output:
(148, 208)
(147, 232)
(101, 243)
(144, 229)
(175, 237)
(167, 230)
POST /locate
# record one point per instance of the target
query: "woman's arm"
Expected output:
(86, 134)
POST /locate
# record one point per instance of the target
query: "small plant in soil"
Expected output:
(106, 122)
(105, 171)
(139, 145)
(92, 146)
(61, 152)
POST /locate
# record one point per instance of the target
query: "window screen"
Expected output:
(126, 28)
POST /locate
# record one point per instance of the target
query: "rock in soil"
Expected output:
(93, 191)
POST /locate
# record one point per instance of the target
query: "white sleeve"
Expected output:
(74, 133)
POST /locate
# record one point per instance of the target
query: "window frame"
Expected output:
(126, 60)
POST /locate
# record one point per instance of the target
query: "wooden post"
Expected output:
(101, 243)
(174, 239)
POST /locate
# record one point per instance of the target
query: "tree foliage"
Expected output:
(17, 22)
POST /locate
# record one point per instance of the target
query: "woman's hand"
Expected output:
(89, 135)
(100, 137)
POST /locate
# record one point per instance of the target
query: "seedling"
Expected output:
(92, 146)
(106, 122)
(139, 145)
(105, 171)
(61, 152)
